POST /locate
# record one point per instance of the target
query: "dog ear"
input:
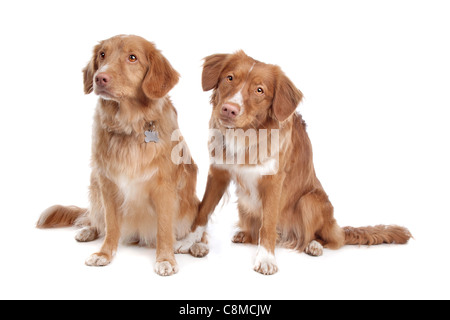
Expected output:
(161, 77)
(212, 68)
(90, 70)
(286, 99)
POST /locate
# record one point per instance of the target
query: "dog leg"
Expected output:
(218, 181)
(316, 212)
(111, 242)
(265, 262)
(166, 208)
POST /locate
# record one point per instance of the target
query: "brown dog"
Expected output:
(137, 193)
(280, 198)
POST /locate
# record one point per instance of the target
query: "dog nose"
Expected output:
(102, 79)
(230, 110)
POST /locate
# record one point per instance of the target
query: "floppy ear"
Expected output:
(161, 77)
(90, 70)
(212, 68)
(286, 99)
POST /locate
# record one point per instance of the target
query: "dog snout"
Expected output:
(230, 111)
(102, 79)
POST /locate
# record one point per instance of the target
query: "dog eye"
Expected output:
(102, 55)
(132, 58)
(260, 90)
(230, 78)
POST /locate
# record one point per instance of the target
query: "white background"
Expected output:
(376, 80)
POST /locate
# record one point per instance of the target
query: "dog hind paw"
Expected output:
(86, 234)
(199, 250)
(241, 237)
(314, 249)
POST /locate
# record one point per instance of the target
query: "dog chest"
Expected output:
(247, 179)
(247, 190)
(134, 188)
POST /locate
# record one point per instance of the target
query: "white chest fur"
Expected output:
(247, 180)
(134, 191)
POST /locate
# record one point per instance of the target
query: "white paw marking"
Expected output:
(199, 250)
(265, 262)
(165, 268)
(97, 260)
(314, 248)
(184, 245)
(86, 234)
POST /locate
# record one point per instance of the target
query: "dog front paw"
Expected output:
(185, 245)
(265, 262)
(166, 268)
(98, 260)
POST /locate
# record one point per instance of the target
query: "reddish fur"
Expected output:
(295, 208)
(376, 235)
(60, 216)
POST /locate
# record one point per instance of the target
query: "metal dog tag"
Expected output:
(151, 136)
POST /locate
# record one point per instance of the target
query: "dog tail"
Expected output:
(60, 216)
(376, 235)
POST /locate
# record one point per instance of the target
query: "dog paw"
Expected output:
(165, 268)
(184, 245)
(98, 260)
(199, 250)
(265, 262)
(86, 234)
(314, 248)
(241, 237)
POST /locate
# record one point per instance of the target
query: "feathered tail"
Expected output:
(60, 216)
(376, 235)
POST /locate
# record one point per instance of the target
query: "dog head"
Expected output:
(128, 67)
(248, 93)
